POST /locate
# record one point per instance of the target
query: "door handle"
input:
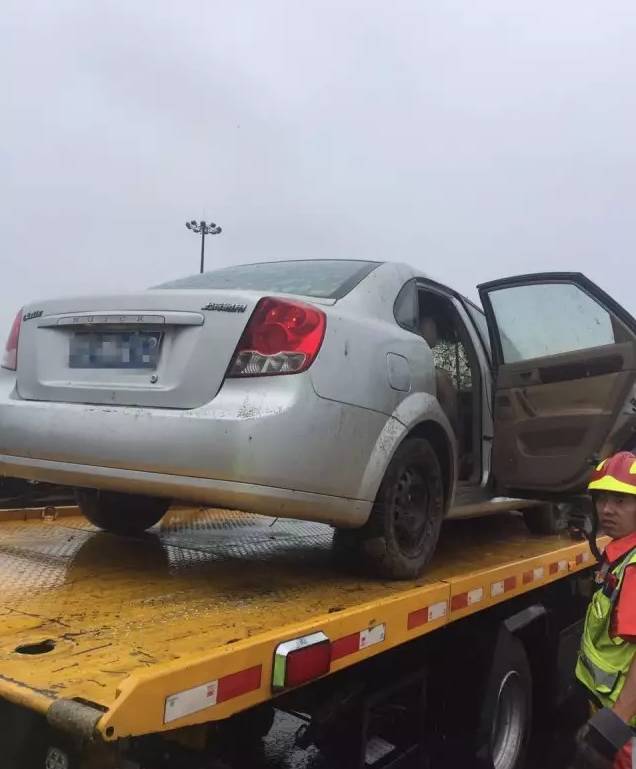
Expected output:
(533, 376)
(525, 405)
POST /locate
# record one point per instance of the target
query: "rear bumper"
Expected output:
(266, 500)
(270, 446)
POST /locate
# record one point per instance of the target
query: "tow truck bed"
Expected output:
(180, 627)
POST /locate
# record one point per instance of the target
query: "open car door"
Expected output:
(564, 358)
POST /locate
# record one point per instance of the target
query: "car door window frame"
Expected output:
(483, 381)
(473, 311)
(616, 311)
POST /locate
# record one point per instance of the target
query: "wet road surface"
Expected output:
(550, 749)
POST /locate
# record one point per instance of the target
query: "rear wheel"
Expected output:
(121, 513)
(400, 536)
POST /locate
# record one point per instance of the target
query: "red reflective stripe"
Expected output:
(510, 583)
(459, 601)
(239, 683)
(528, 576)
(554, 568)
(417, 618)
(341, 647)
(579, 559)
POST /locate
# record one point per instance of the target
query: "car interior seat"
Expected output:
(447, 394)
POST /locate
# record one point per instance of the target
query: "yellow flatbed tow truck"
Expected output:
(115, 650)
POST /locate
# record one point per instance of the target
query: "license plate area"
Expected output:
(115, 349)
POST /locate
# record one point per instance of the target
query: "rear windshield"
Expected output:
(325, 278)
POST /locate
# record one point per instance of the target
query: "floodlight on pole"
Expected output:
(204, 228)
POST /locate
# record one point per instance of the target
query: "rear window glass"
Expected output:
(325, 279)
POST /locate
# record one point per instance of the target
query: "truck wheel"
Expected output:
(507, 708)
(126, 514)
(400, 536)
(546, 519)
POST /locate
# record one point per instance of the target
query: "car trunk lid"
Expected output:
(158, 349)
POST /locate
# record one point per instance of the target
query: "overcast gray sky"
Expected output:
(469, 138)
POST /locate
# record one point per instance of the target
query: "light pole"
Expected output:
(205, 228)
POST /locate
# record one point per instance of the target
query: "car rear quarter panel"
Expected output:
(352, 366)
(419, 415)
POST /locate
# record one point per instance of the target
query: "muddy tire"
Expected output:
(125, 514)
(401, 534)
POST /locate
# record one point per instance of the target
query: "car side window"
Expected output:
(406, 307)
(543, 319)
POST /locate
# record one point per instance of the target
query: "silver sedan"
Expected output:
(353, 393)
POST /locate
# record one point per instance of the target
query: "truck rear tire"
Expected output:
(401, 534)
(507, 709)
(125, 514)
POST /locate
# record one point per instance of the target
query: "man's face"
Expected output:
(617, 513)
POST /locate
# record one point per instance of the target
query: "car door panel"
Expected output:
(549, 427)
(554, 413)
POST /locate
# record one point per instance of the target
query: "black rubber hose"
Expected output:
(592, 534)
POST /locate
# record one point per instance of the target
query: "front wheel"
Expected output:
(401, 534)
(127, 514)
(547, 518)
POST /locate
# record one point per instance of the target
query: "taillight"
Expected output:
(281, 337)
(301, 660)
(10, 357)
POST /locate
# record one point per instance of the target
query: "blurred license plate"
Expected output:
(126, 349)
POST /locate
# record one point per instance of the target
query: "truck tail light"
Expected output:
(10, 357)
(301, 660)
(281, 337)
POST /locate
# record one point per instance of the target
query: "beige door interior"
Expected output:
(564, 366)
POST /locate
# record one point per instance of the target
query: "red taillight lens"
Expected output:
(306, 664)
(301, 660)
(10, 357)
(281, 337)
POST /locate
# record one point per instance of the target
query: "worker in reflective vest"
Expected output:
(607, 662)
